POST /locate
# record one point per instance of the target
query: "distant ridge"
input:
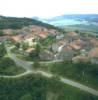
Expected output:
(82, 22)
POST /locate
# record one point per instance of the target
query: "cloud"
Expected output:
(46, 8)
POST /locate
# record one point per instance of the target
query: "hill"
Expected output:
(17, 23)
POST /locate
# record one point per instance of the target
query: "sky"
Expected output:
(47, 8)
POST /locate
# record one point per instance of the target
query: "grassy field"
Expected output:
(36, 87)
(85, 73)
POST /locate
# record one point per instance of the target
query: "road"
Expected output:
(24, 64)
(27, 66)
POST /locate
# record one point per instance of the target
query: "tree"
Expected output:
(36, 64)
(2, 50)
(26, 97)
(35, 54)
(17, 45)
(1, 33)
(37, 48)
(77, 31)
(24, 45)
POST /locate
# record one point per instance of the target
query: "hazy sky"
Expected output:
(46, 8)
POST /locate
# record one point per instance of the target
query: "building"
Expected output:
(93, 55)
(80, 58)
(71, 36)
(66, 53)
(46, 55)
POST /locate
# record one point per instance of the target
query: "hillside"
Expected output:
(41, 62)
(17, 23)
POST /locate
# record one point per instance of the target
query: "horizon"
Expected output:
(47, 8)
(35, 17)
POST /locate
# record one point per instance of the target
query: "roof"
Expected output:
(72, 34)
(43, 34)
(29, 50)
(62, 42)
(16, 38)
(77, 44)
(19, 38)
(93, 52)
(94, 41)
(67, 48)
(80, 58)
(74, 46)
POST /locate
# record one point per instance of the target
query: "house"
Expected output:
(55, 47)
(29, 50)
(93, 55)
(86, 44)
(24, 38)
(62, 42)
(53, 32)
(76, 44)
(17, 38)
(80, 58)
(93, 52)
(94, 41)
(66, 53)
(36, 28)
(46, 55)
(72, 36)
(43, 35)
(8, 31)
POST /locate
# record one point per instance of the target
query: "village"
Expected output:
(54, 45)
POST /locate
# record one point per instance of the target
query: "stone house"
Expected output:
(46, 55)
(66, 53)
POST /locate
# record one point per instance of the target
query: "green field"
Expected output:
(85, 73)
(35, 87)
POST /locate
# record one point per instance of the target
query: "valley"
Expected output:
(82, 22)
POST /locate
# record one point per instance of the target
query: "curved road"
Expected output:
(27, 66)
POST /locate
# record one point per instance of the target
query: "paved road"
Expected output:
(24, 64)
(48, 75)
(64, 80)
(80, 86)
(16, 76)
(27, 66)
